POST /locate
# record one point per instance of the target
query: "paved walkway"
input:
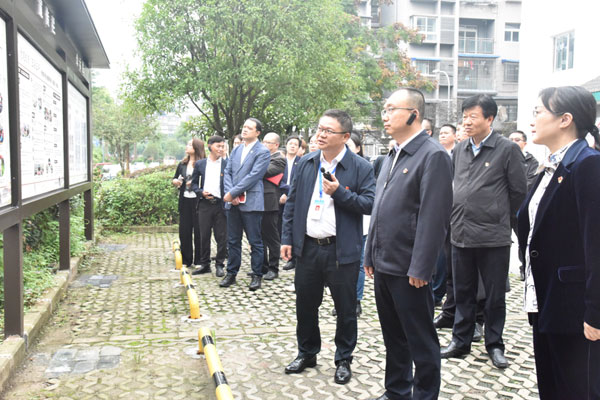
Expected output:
(121, 333)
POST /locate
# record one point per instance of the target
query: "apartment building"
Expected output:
(469, 47)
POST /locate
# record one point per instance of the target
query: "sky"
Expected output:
(114, 21)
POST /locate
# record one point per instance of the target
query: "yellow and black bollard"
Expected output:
(207, 347)
(178, 257)
(186, 280)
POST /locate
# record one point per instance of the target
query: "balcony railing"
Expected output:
(468, 83)
(475, 46)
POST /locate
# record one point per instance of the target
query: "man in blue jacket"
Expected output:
(408, 227)
(245, 199)
(322, 227)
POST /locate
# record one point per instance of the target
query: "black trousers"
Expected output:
(213, 220)
(314, 269)
(189, 231)
(406, 318)
(271, 239)
(568, 366)
(449, 306)
(492, 264)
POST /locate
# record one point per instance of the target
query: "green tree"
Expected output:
(235, 59)
(119, 125)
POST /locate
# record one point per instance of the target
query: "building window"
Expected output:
(563, 51)
(475, 74)
(511, 72)
(426, 26)
(511, 32)
(425, 67)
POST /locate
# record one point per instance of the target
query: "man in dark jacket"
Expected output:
(489, 186)
(270, 219)
(292, 146)
(322, 226)
(408, 227)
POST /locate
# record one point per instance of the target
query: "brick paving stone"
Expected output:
(144, 349)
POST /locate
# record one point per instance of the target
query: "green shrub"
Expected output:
(147, 199)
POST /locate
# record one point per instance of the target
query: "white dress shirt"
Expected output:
(212, 177)
(246, 150)
(188, 175)
(322, 225)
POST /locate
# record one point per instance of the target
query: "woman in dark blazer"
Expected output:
(188, 217)
(559, 235)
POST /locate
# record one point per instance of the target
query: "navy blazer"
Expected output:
(565, 245)
(283, 186)
(247, 176)
(353, 198)
(412, 210)
(199, 176)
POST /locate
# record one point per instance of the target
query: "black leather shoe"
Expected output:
(300, 363)
(255, 284)
(382, 397)
(358, 309)
(441, 322)
(205, 269)
(453, 351)
(478, 333)
(498, 359)
(220, 271)
(290, 265)
(522, 272)
(343, 373)
(228, 280)
(271, 275)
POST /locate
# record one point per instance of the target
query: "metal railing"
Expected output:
(476, 46)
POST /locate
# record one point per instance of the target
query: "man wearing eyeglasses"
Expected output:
(409, 221)
(322, 227)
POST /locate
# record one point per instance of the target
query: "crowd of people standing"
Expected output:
(431, 220)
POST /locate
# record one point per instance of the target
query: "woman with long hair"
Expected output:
(188, 217)
(559, 236)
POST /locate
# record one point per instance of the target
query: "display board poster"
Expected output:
(5, 176)
(78, 149)
(40, 103)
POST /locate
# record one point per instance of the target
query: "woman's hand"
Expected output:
(176, 182)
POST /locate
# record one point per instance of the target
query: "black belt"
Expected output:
(322, 242)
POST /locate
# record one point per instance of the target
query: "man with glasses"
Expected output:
(408, 225)
(270, 220)
(322, 227)
(489, 187)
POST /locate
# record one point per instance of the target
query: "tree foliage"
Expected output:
(282, 61)
(119, 125)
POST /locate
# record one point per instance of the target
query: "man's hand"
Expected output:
(369, 271)
(207, 195)
(330, 187)
(418, 283)
(227, 198)
(590, 332)
(235, 202)
(283, 199)
(286, 252)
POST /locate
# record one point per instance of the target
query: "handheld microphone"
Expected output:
(326, 175)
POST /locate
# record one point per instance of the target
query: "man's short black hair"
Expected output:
(416, 100)
(487, 104)
(259, 126)
(342, 117)
(294, 137)
(449, 126)
(215, 139)
(523, 135)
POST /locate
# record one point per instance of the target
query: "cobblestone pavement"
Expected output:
(121, 333)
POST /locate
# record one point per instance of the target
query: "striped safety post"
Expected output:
(178, 257)
(207, 347)
(186, 280)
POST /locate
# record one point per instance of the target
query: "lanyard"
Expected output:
(321, 179)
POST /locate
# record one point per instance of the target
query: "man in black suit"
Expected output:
(322, 225)
(207, 182)
(408, 226)
(489, 186)
(270, 219)
(292, 146)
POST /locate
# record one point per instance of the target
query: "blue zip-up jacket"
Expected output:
(353, 198)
